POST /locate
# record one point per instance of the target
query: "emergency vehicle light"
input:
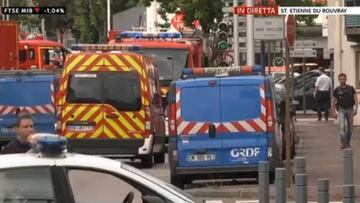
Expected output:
(139, 35)
(50, 143)
(223, 71)
(105, 47)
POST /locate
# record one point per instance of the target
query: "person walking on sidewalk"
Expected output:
(322, 94)
(346, 103)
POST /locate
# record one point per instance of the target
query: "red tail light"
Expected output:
(269, 115)
(172, 120)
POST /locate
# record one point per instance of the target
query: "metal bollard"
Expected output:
(348, 166)
(264, 182)
(323, 190)
(280, 178)
(348, 194)
(300, 165)
(301, 188)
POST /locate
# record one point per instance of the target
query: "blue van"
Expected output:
(222, 126)
(31, 92)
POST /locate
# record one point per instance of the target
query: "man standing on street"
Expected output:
(346, 103)
(322, 94)
(24, 127)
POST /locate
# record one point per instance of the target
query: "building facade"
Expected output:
(344, 39)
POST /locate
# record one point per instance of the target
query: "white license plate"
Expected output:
(80, 128)
(201, 157)
(7, 130)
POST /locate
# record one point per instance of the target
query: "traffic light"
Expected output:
(222, 36)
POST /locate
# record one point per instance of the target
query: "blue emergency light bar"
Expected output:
(105, 47)
(223, 71)
(140, 35)
(51, 144)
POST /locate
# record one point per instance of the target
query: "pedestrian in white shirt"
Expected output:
(322, 94)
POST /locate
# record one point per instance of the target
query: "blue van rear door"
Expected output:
(199, 107)
(32, 94)
(243, 120)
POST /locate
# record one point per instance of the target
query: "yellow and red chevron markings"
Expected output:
(252, 125)
(128, 124)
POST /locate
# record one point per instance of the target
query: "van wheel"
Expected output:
(271, 177)
(147, 161)
(159, 158)
(178, 181)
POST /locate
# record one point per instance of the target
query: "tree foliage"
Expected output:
(307, 19)
(206, 11)
(91, 17)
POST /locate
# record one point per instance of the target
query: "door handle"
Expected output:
(112, 116)
(212, 131)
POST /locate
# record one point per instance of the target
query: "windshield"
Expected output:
(118, 89)
(170, 62)
(157, 181)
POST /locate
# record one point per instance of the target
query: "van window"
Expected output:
(84, 88)
(176, 59)
(205, 108)
(31, 54)
(240, 102)
(122, 90)
(22, 55)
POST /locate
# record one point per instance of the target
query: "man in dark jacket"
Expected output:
(24, 127)
(346, 103)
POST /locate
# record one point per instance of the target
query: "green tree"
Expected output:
(307, 19)
(91, 17)
(206, 11)
(57, 23)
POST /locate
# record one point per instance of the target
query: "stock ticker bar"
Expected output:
(34, 10)
(279, 10)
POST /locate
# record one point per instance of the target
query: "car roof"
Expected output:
(66, 159)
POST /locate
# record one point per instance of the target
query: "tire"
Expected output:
(147, 161)
(159, 158)
(271, 177)
(178, 181)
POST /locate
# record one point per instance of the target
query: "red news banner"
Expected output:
(278, 10)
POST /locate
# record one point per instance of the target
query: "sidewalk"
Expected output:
(320, 145)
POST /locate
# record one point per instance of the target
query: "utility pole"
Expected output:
(250, 50)
(236, 36)
(108, 18)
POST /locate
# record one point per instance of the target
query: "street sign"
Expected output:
(228, 9)
(305, 44)
(303, 53)
(258, 50)
(269, 28)
(278, 61)
(291, 30)
(232, 1)
(327, 53)
(229, 56)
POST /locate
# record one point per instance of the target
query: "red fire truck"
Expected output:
(36, 53)
(171, 52)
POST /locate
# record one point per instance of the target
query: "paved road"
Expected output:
(319, 143)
